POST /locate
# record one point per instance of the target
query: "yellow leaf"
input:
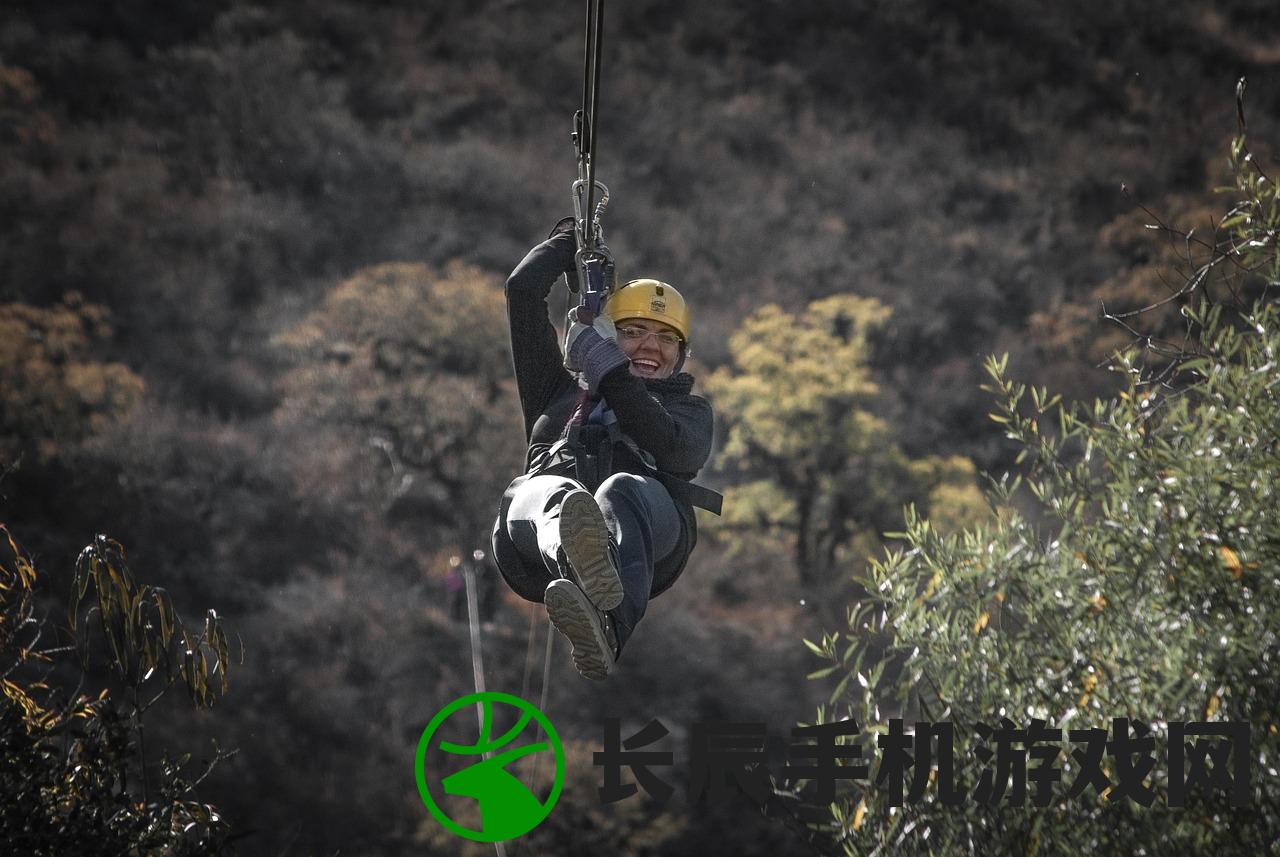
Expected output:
(859, 813)
(1000, 596)
(930, 589)
(1089, 682)
(982, 622)
(1098, 602)
(1212, 707)
(1231, 560)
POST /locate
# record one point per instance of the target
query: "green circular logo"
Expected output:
(508, 807)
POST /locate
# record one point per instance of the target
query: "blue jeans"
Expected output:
(640, 516)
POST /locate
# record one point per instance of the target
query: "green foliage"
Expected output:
(1253, 224)
(1130, 572)
(809, 371)
(818, 467)
(66, 761)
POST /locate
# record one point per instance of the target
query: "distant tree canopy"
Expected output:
(816, 467)
(58, 387)
(403, 375)
(1135, 576)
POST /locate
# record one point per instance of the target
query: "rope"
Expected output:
(477, 659)
(473, 615)
(546, 668)
(542, 703)
(528, 654)
(477, 669)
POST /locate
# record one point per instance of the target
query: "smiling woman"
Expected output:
(652, 348)
(602, 519)
(652, 322)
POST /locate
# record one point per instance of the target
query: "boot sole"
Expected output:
(585, 540)
(572, 615)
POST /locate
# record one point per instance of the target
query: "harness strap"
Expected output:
(592, 467)
(592, 447)
(692, 493)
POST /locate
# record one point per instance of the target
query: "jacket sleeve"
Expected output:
(535, 350)
(677, 435)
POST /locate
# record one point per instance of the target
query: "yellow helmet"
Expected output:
(651, 299)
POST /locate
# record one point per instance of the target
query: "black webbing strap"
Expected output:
(693, 494)
(591, 446)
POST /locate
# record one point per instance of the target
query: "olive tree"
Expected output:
(1131, 570)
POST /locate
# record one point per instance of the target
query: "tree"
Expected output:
(817, 466)
(1130, 572)
(75, 777)
(57, 387)
(403, 379)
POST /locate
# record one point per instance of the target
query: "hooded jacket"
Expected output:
(665, 429)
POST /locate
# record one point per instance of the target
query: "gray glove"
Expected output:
(603, 325)
(593, 350)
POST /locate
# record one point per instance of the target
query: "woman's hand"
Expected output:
(592, 350)
(602, 328)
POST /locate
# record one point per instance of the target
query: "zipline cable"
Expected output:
(591, 104)
(593, 261)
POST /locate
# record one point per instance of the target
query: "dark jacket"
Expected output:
(660, 418)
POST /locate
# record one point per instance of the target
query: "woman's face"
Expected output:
(641, 339)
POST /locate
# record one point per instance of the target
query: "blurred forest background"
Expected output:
(252, 326)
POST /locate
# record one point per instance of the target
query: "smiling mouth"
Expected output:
(644, 366)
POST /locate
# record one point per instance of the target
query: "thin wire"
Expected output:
(542, 706)
(477, 659)
(477, 662)
(546, 668)
(528, 654)
(542, 700)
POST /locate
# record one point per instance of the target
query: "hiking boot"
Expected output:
(589, 630)
(585, 541)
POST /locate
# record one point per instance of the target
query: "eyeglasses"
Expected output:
(665, 338)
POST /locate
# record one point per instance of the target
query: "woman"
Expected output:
(602, 519)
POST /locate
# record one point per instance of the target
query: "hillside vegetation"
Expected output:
(251, 324)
